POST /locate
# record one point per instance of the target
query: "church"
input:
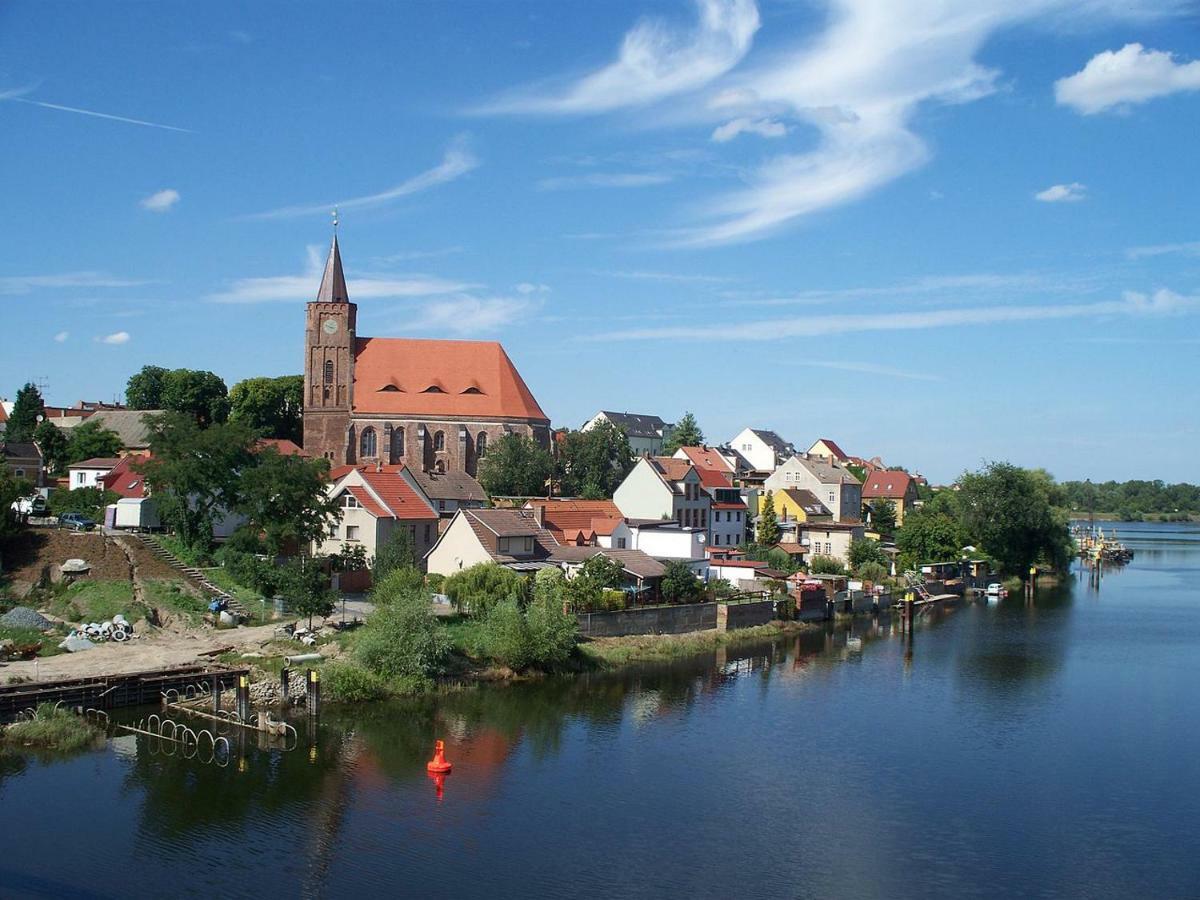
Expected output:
(432, 405)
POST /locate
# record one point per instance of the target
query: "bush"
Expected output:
(680, 584)
(826, 565)
(872, 572)
(254, 572)
(721, 588)
(866, 550)
(348, 683)
(403, 640)
(505, 636)
(52, 728)
(434, 582)
(477, 589)
(89, 501)
(551, 633)
(542, 636)
(399, 584)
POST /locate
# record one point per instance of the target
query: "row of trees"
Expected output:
(1132, 499)
(59, 449)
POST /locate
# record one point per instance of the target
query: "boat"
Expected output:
(995, 591)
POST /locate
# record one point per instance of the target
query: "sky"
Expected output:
(938, 232)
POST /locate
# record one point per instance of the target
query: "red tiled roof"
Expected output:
(706, 458)
(397, 495)
(282, 446)
(885, 485)
(3, 415)
(713, 478)
(670, 468)
(439, 378)
(570, 517)
(729, 506)
(363, 496)
(99, 462)
(740, 564)
(124, 481)
(832, 445)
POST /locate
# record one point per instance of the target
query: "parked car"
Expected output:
(78, 521)
(30, 506)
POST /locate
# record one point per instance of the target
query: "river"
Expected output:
(1045, 749)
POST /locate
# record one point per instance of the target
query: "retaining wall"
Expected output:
(649, 620)
(745, 615)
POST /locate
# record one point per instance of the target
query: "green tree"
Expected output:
(285, 497)
(196, 393)
(478, 588)
(679, 583)
(686, 433)
(145, 389)
(593, 463)
(195, 472)
(90, 501)
(53, 444)
(826, 565)
(12, 489)
(23, 421)
(272, 406)
(927, 536)
(515, 466)
(403, 640)
(397, 552)
(91, 440)
(873, 572)
(768, 522)
(883, 516)
(866, 551)
(597, 575)
(306, 589)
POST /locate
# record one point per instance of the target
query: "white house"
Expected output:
(830, 538)
(662, 487)
(90, 473)
(646, 433)
(374, 501)
(764, 450)
(828, 480)
(666, 540)
(509, 537)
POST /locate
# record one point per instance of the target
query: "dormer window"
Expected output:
(433, 389)
(472, 390)
(390, 389)
(350, 502)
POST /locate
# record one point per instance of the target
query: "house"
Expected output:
(24, 460)
(448, 491)
(831, 538)
(796, 505)
(373, 502)
(830, 481)
(508, 537)
(135, 508)
(643, 574)
(129, 425)
(826, 447)
(662, 487)
(898, 487)
(667, 540)
(90, 472)
(764, 450)
(646, 433)
(745, 575)
(583, 522)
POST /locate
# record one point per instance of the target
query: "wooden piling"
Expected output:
(243, 697)
(313, 693)
(216, 693)
(285, 676)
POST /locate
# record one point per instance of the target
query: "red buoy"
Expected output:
(439, 765)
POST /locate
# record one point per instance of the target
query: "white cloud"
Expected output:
(470, 315)
(1191, 248)
(768, 128)
(1133, 74)
(866, 369)
(160, 201)
(24, 284)
(528, 287)
(1062, 193)
(677, 277)
(298, 287)
(62, 336)
(457, 161)
(656, 60)
(603, 180)
(117, 337)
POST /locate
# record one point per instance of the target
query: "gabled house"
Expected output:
(89, 473)
(727, 526)
(646, 433)
(831, 538)
(662, 487)
(508, 537)
(129, 425)
(829, 448)
(24, 460)
(643, 574)
(898, 487)
(582, 523)
(764, 450)
(448, 491)
(794, 507)
(373, 501)
(831, 482)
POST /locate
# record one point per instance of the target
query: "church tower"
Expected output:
(329, 343)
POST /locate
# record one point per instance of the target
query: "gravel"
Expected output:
(24, 617)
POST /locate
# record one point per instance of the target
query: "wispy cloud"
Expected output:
(1161, 302)
(117, 337)
(768, 128)
(457, 161)
(958, 285)
(1116, 79)
(277, 288)
(1062, 193)
(470, 315)
(529, 287)
(656, 60)
(677, 277)
(19, 95)
(1191, 248)
(160, 201)
(866, 369)
(62, 336)
(24, 284)
(604, 180)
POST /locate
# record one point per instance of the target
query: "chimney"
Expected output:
(539, 514)
(378, 466)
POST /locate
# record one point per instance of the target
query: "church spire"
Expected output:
(333, 282)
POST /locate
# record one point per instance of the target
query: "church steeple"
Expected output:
(333, 282)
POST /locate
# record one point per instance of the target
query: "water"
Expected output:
(1046, 750)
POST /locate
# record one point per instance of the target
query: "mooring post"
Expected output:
(313, 693)
(285, 676)
(243, 698)
(216, 693)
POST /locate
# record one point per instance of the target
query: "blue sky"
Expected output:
(938, 237)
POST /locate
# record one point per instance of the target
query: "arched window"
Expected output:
(440, 467)
(398, 442)
(481, 444)
(329, 371)
(366, 445)
(439, 441)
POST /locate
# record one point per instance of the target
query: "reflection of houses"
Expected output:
(643, 574)
(831, 482)
(509, 537)
(645, 433)
(374, 501)
(898, 487)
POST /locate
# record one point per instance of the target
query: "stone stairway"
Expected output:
(192, 575)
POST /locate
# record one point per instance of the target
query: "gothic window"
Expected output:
(366, 445)
(329, 371)
(481, 444)
(398, 442)
(439, 441)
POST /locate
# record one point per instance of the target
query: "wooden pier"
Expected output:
(114, 691)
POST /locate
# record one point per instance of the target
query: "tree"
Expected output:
(12, 489)
(593, 463)
(866, 551)
(515, 466)
(306, 589)
(53, 444)
(397, 552)
(403, 639)
(90, 501)
(686, 433)
(768, 522)
(928, 536)
(478, 588)
(883, 516)
(597, 574)
(826, 565)
(91, 440)
(679, 583)
(195, 472)
(272, 406)
(197, 393)
(145, 389)
(23, 421)
(285, 497)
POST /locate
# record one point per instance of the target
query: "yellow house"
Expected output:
(795, 505)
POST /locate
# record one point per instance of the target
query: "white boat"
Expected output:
(995, 591)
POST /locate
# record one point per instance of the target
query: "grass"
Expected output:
(22, 636)
(464, 632)
(95, 601)
(622, 651)
(185, 553)
(51, 728)
(173, 597)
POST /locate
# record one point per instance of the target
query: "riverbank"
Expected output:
(614, 652)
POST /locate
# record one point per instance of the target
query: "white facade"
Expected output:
(829, 539)
(458, 548)
(620, 539)
(647, 493)
(760, 453)
(829, 482)
(643, 441)
(87, 476)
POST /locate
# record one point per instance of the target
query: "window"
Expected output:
(398, 442)
(441, 506)
(350, 502)
(79, 478)
(427, 526)
(440, 467)
(329, 371)
(828, 549)
(831, 496)
(739, 516)
(481, 444)
(367, 443)
(433, 389)
(620, 543)
(439, 441)
(352, 532)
